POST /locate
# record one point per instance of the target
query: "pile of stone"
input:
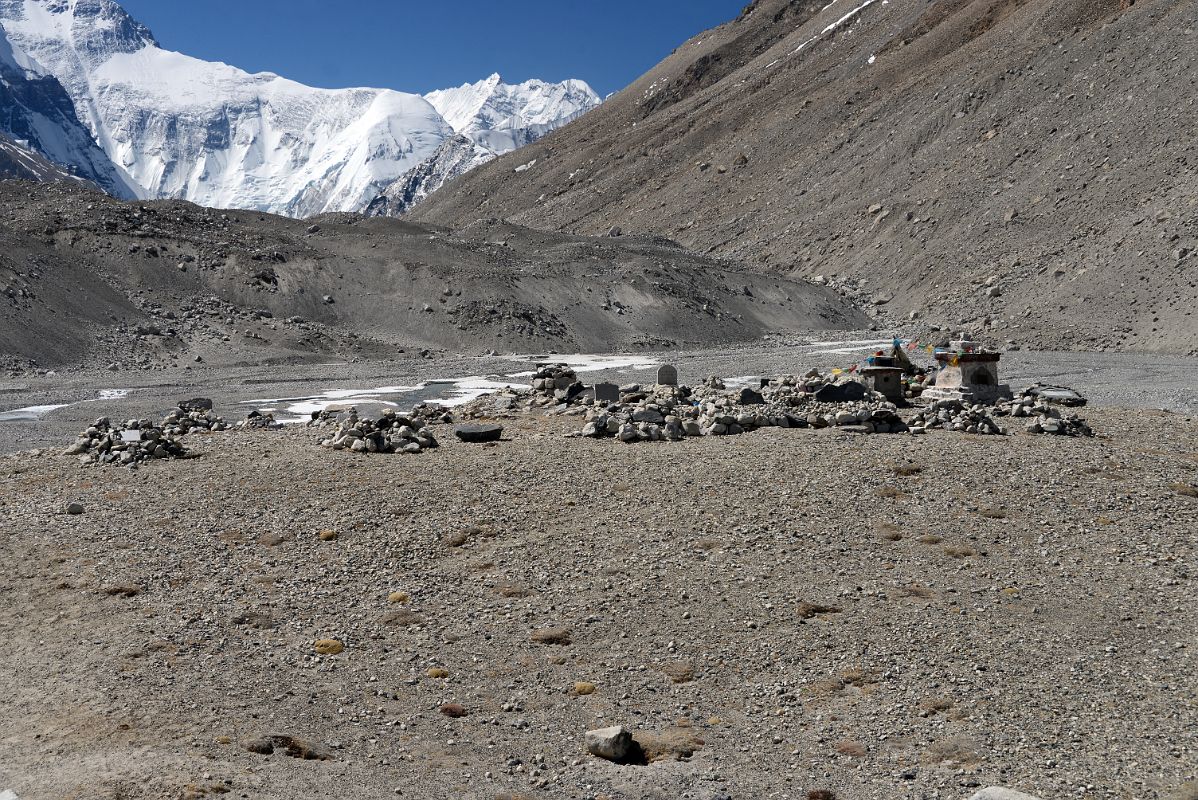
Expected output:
(670, 413)
(954, 415)
(1044, 416)
(128, 443)
(431, 413)
(182, 421)
(256, 420)
(390, 433)
(555, 384)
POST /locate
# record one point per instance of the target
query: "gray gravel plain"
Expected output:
(777, 613)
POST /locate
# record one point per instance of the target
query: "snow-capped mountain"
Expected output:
(214, 134)
(19, 162)
(502, 117)
(37, 117)
(490, 118)
(456, 156)
(179, 127)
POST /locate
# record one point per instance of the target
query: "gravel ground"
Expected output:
(877, 616)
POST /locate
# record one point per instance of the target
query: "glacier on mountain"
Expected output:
(502, 117)
(38, 124)
(489, 118)
(173, 126)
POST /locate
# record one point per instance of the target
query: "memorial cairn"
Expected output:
(964, 394)
(667, 411)
(390, 432)
(129, 443)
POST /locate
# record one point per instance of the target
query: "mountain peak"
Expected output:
(99, 26)
(479, 109)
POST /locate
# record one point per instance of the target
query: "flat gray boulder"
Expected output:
(478, 433)
(999, 793)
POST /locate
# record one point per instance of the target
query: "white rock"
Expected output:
(610, 743)
(999, 793)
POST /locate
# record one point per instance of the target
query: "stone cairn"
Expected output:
(1046, 417)
(432, 413)
(954, 415)
(180, 421)
(128, 443)
(257, 420)
(554, 384)
(137, 441)
(671, 413)
(390, 433)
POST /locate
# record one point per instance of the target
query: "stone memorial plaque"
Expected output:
(667, 375)
(607, 393)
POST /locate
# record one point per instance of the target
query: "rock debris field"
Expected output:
(789, 613)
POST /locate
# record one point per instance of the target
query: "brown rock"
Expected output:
(551, 636)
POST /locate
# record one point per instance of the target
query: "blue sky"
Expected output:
(433, 44)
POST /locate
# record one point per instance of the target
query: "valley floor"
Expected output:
(879, 616)
(1124, 380)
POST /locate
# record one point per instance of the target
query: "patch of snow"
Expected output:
(29, 414)
(526, 167)
(9, 794)
(581, 362)
(833, 26)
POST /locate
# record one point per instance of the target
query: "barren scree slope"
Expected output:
(84, 278)
(918, 147)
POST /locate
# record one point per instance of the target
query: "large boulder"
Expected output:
(196, 404)
(846, 392)
(613, 744)
(475, 434)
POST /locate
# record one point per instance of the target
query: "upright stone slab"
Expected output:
(667, 375)
(607, 393)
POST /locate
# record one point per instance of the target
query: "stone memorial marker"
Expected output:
(667, 375)
(607, 393)
(130, 436)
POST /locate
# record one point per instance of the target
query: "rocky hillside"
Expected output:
(85, 278)
(1024, 169)
(21, 163)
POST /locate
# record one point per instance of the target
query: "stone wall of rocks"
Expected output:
(671, 413)
(953, 415)
(256, 420)
(179, 422)
(1045, 417)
